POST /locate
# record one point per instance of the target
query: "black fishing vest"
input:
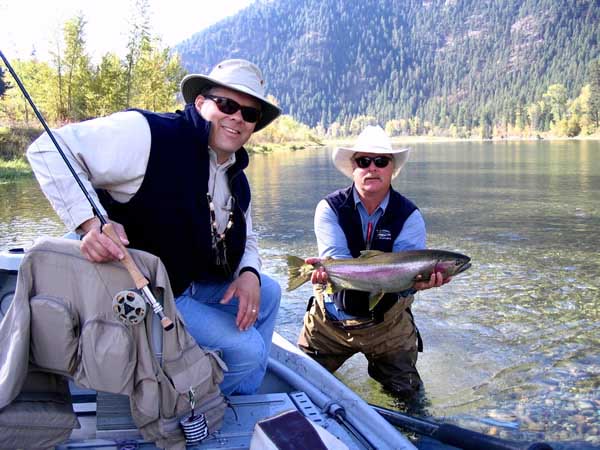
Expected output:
(169, 216)
(384, 234)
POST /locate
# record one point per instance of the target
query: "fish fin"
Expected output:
(331, 288)
(298, 272)
(370, 253)
(374, 298)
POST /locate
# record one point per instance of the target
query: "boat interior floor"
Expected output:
(106, 420)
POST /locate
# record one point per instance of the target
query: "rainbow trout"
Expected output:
(379, 272)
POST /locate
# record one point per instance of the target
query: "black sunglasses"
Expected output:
(228, 106)
(365, 161)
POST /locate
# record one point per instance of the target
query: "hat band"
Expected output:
(372, 148)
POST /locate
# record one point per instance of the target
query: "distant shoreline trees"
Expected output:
(554, 114)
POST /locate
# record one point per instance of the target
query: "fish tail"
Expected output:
(298, 272)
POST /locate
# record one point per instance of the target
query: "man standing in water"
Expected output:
(369, 214)
(174, 185)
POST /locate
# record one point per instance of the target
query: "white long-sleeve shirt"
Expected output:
(112, 153)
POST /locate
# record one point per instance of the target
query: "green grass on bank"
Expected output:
(14, 168)
(15, 140)
(268, 147)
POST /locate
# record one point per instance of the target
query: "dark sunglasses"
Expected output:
(365, 161)
(228, 106)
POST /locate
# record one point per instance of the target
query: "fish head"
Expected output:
(451, 263)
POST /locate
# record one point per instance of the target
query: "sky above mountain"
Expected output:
(28, 25)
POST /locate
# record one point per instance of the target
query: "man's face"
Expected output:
(372, 179)
(228, 132)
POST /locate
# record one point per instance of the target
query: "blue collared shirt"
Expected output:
(331, 240)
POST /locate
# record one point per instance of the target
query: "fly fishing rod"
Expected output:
(106, 227)
(453, 435)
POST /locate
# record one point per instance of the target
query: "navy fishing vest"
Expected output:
(384, 234)
(169, 216)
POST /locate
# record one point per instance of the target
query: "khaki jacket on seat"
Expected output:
(61, 321)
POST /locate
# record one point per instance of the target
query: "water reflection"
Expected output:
(511, 346)
(25, 214)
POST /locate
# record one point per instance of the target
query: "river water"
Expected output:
(512, 346)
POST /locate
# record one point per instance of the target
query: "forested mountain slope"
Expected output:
(448, 62)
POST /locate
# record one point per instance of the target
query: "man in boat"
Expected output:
(173, 184)
(369, 214)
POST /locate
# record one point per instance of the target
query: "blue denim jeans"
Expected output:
(213, 326)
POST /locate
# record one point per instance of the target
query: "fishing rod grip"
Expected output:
(141, 282)
(138, 278)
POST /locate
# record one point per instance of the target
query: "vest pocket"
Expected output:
(195, 367)
(175, 402)
(108, 355)
(54, 334)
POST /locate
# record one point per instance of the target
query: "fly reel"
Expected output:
(130, 307)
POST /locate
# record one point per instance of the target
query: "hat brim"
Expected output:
(342, 159)
(193, 85)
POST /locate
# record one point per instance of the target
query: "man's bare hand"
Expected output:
(319, 276)
(436, 280)
(247, 290)
(97, 246)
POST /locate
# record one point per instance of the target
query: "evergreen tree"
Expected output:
(594, 96)
(486, 125)
(158, 75)
(59, 92)
(108, 87)
(139, 39)
(77, 73)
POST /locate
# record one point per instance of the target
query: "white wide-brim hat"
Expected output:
(372, 140)
(236, 74)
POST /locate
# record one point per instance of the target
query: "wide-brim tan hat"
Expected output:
(372, 140)
(236, 74)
